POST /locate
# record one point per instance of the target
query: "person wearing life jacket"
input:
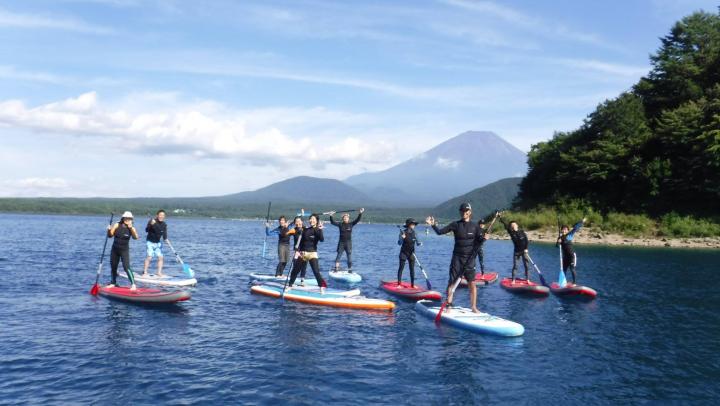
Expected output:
(345, 240)
(157, 234)
(407, 240)
(467, 237)
(307, 251)
(122, 232)
(565, 240)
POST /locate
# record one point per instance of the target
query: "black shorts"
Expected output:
(462, 266)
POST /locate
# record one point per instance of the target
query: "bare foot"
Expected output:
(133, 287)
(475, 310)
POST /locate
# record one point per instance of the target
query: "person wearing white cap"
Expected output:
(122, 231)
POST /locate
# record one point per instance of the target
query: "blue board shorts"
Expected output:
(154, 249)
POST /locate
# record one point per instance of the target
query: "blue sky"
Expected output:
(183, 98)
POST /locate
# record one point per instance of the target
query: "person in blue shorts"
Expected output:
(156, 235)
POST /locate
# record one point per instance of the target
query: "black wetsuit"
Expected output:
(569, 259)
(156, 232)
(297, 262)
(407, 253)
(309, 240)
(479, 249)
(520, 244)
(467, 237)
(121, 251)
(345, 240)
(283, 247)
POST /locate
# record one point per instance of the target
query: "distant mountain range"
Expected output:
(302, 190)
(484, 200)
(465, 162)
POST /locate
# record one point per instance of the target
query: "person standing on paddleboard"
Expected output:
(345, 240)
(283, 243)
(309, 239)
(407, 241)
(565, 240)
(157, 234)
(122, 231)
(296, 232)
(520, 246)
(480, 248)
(467, 236)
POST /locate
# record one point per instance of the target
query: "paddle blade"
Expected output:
(542, 280)
(438, 317)
(188, 271)
(323, 284)
(95, 289)
(561, 279)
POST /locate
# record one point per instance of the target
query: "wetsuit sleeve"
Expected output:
(357, 220)
(524, 242)
(333, 222)
(400, 238)
(273, 231)
(444, 230)
(576, 228)
(319, 233)
(165, 233)
(505, 225)
(148, 226)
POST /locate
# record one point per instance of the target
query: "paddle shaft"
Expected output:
(338, 211)
(267, 220)
(177, 256)
(542, 278)
(422, 269)
(102, 256)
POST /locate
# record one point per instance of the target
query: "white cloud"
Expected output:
(34, 187)
(31, 21)
(447, 163)
(200, 130)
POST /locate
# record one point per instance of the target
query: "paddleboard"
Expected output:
(271, 277)
(465, 319)
(484, 279)
(405, 291)
(572, 291)
(522, 286)
(327, 299)
(345, 276)
(316, 289)
(165, 280)
(144, 295)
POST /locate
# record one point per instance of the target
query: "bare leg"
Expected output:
(160, 266)
(473, 297)
(147, 265)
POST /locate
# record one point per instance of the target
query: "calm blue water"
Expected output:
(651, 335)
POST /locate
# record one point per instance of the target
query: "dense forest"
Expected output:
(654, 149)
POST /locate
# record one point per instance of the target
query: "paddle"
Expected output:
(542, 278)
(562, 281)
(427, 281)
(338, 211)
(186, 268)
(96, 287)
(295, 258)
(267, 220)
(438, 317)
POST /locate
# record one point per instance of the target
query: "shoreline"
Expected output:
(588, 236)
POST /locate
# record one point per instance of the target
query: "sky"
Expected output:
(124, 98)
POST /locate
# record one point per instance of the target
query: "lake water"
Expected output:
(652, 334)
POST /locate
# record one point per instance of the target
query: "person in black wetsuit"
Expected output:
(407, 241)
(309, 239)
(467, 238)
(121, 231)
(345, 240)
(565, 240)
(296, 232)
(156, 230)
(481, 244)
(282, 231)
(520, 246)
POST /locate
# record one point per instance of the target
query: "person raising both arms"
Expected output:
(156, 230)
(407, 241)
(121, 231)
(345, 240)
(565, 240)
(520, 246)
(467, 238)
(309, 239)
(282, 231)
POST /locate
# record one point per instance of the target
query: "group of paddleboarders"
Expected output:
(123, 231)
(305, 245)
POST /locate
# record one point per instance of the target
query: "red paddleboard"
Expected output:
(484, 279)
(406, 291)
(523, 286)
(572, 291)
(144, 295)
